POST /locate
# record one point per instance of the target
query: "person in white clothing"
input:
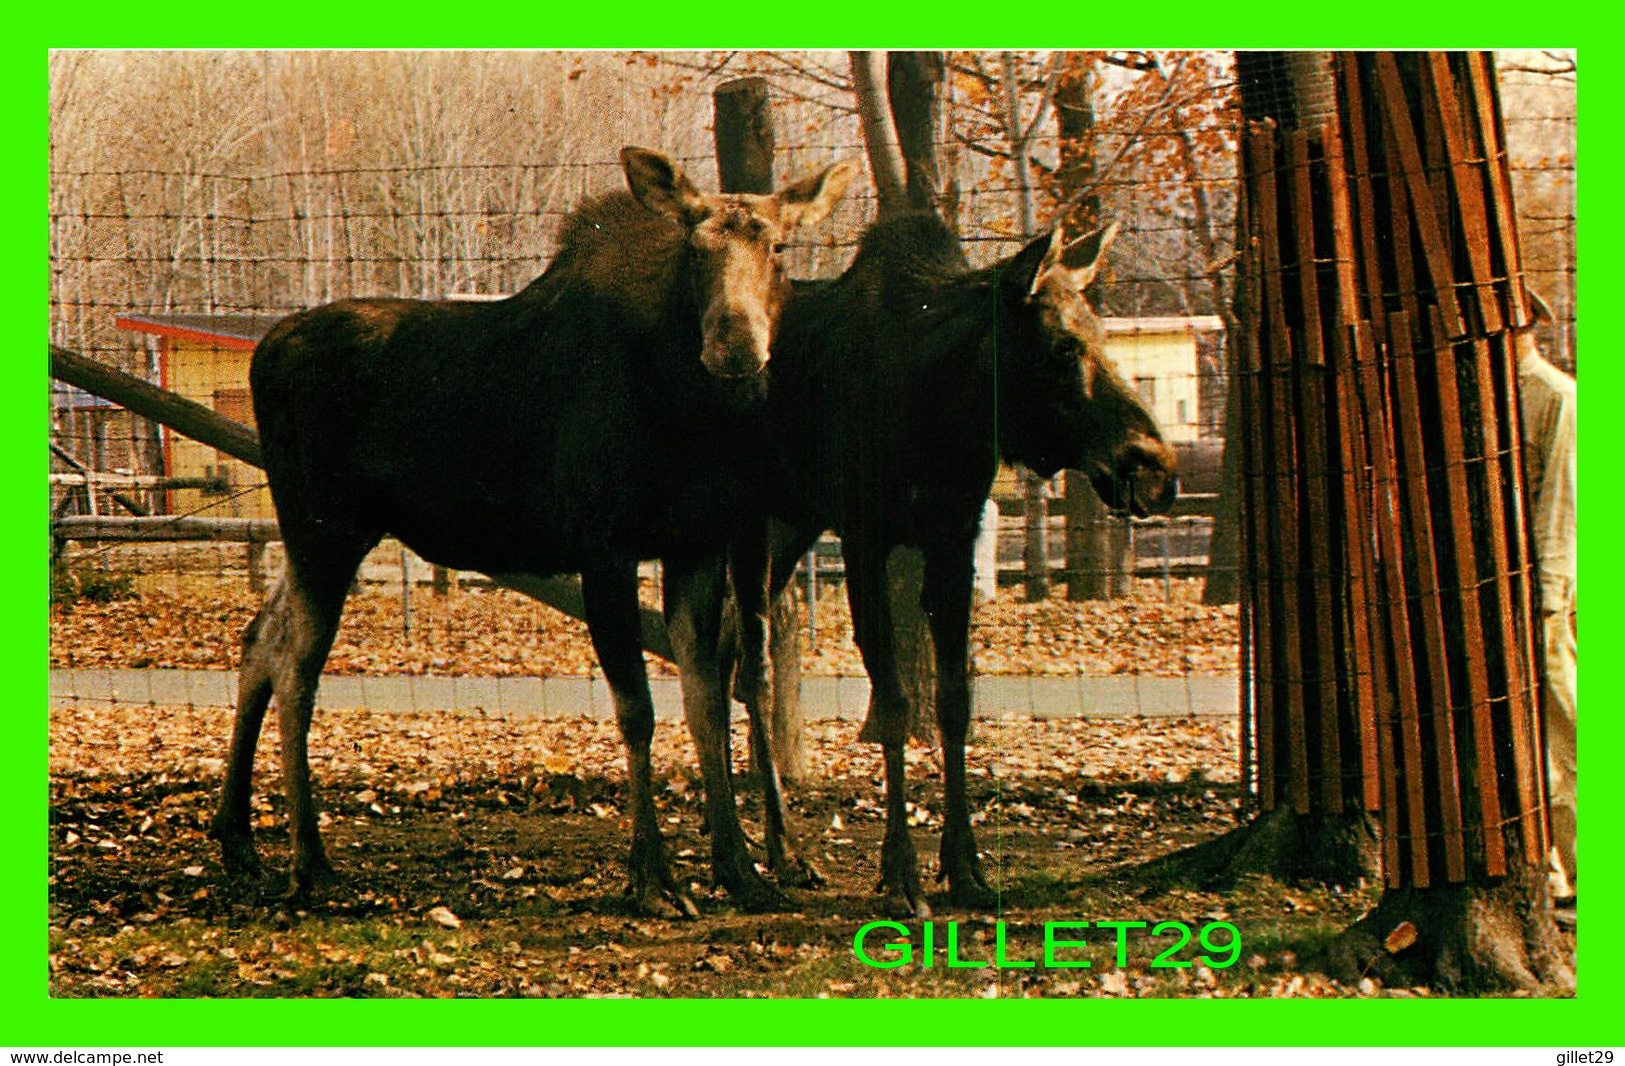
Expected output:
(1546, 402)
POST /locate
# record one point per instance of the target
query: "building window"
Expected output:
(1147, 388)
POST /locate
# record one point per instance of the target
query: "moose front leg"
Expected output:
(610, 599)
(947, 594)
(872, 629)
(694, 594)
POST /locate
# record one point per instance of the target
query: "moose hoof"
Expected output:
(655, 893)
(668, 902)
(900, 880)
(797, 872)
(241, 861)
(311, 880)
(237, 852)
(962, 869)
(967, 885)
(748, 888)
(973, 893)
(905, 901)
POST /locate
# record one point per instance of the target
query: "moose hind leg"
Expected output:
(611, 605)
(872, 629)
(693, 601)
(948, 606)
(755, 589)
(231, 827)
(314, 601)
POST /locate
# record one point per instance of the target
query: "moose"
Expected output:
(592, 420)
(895, 391)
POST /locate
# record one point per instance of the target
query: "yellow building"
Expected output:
(1161, 358)
(205, 358)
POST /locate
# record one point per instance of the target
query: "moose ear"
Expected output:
(808, 201)
(661, 186)
(1025, 270)
(1085, 254)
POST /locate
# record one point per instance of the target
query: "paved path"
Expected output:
(568, 697)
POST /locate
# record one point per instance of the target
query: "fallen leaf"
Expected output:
(1403, 936)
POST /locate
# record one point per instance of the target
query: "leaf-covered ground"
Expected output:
(493, 632)
(483, 857)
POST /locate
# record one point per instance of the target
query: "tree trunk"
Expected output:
(1390, 628)
(915, 83)
(886, 166)
(1468, 939)
(1089, 558)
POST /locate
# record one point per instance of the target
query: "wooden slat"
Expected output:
(1516, 597)
(1360, 581)
(1247, 316)
(1278, 498)
(1258, 460)
(1367, 447)
(1267, 221)
(1500, 455)
(1310, 372)
(1263, 579)
(1466, 167)
(1487, 111)
(1337, 202)
(1465, 555)
(1405, 157)
(1435, 160)
(1300, 199)
(1498, 251)
(1407, 764)
(1285, 506)
(1405, 292)
(1365, 206)
(1320, 557)
(1408, 418)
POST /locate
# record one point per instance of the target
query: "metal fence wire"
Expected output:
(197, 197)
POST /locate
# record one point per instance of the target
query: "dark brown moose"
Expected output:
(586, 423)
(896, 390)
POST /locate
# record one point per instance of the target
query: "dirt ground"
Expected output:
(484, 857)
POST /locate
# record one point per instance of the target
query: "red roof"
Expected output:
(233, 332)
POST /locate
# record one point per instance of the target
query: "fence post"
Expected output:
(256, 566)
(743, 132)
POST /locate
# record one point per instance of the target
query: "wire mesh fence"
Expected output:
(215, 193)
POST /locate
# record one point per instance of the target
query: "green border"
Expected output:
(32, 1018)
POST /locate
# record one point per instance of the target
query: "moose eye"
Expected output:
(778, 248)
